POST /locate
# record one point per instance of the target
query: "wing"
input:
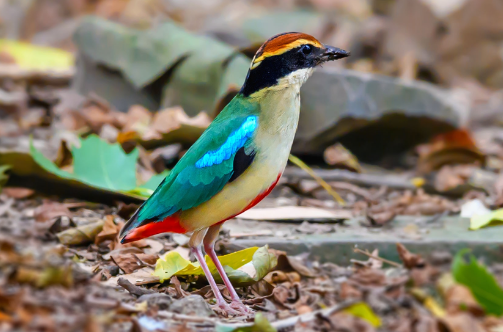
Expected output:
(222, 153)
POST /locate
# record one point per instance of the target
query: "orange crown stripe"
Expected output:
(283, 43)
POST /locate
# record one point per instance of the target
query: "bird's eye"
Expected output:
(306, 49)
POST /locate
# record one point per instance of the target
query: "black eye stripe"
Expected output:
(272, 68)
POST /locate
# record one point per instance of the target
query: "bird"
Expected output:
(238, 159)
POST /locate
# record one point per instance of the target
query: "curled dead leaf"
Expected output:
(81, 235)
(451, 148)
(339, 157)
(17, 192)
(51, 210)
(109, 231)
(409, 259)
(132, 262)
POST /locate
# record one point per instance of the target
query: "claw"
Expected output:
(241, 307)
(234, 309)
(226, 309)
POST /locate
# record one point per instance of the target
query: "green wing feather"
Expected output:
(188, 186)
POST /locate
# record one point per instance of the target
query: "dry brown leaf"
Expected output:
(64, 157)
(51, 210)
(381, 218)
(409, 259)
(348, 291)
(109, 231)
(116, 244)
(345, 322)
(369, 277)
(17, 192)
(174, 123)
(457, 298)
(450, 177)
(98, 113)
(339, 157)
(137, 120)
(452, 148)
(498, 189)
(81, 235)
(132, 262)
(462, 322)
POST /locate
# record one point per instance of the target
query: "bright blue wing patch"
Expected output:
(234, 142)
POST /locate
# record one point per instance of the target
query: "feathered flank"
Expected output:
(282, 43)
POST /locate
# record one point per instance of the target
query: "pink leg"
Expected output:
(209, 247)
(195, 246)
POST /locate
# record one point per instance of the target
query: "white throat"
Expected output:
(294, 80)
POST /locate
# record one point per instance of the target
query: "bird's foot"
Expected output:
(238, 305)
(226, 309)
(236, 308)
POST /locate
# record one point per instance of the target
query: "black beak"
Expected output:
(333, 53)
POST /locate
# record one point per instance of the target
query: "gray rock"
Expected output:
(192, 305)
(335, 103)
(159, 300)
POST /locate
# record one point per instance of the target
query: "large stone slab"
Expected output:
(423, 235)
(335, 103)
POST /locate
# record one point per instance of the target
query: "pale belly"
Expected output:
(236, 196)
(273, 141)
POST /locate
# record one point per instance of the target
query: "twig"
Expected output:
(395, 264)
(142, 263)
(133, 289)
(178, 287)
(257, 233)
(366, 180)
(186, 318)
(287, 324)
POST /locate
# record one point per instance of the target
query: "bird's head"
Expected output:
(287, 59)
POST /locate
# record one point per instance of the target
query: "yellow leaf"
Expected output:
(494, 218)
(432, 305)
(418, 182)
(363, 311)
(173, 264)
(30, 56)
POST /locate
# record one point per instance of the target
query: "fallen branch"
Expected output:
(395, 264)
(366, 180)
(133, 289)
(186, 318)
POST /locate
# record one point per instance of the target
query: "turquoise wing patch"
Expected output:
(205, 169)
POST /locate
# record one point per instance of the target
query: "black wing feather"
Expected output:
(241, 162)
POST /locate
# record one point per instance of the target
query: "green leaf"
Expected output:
(481, 282)
(491, 219)
(363, 311)
(3, 175)
(104, 165)
(243, 267)
(101, 165)
(261, 324)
